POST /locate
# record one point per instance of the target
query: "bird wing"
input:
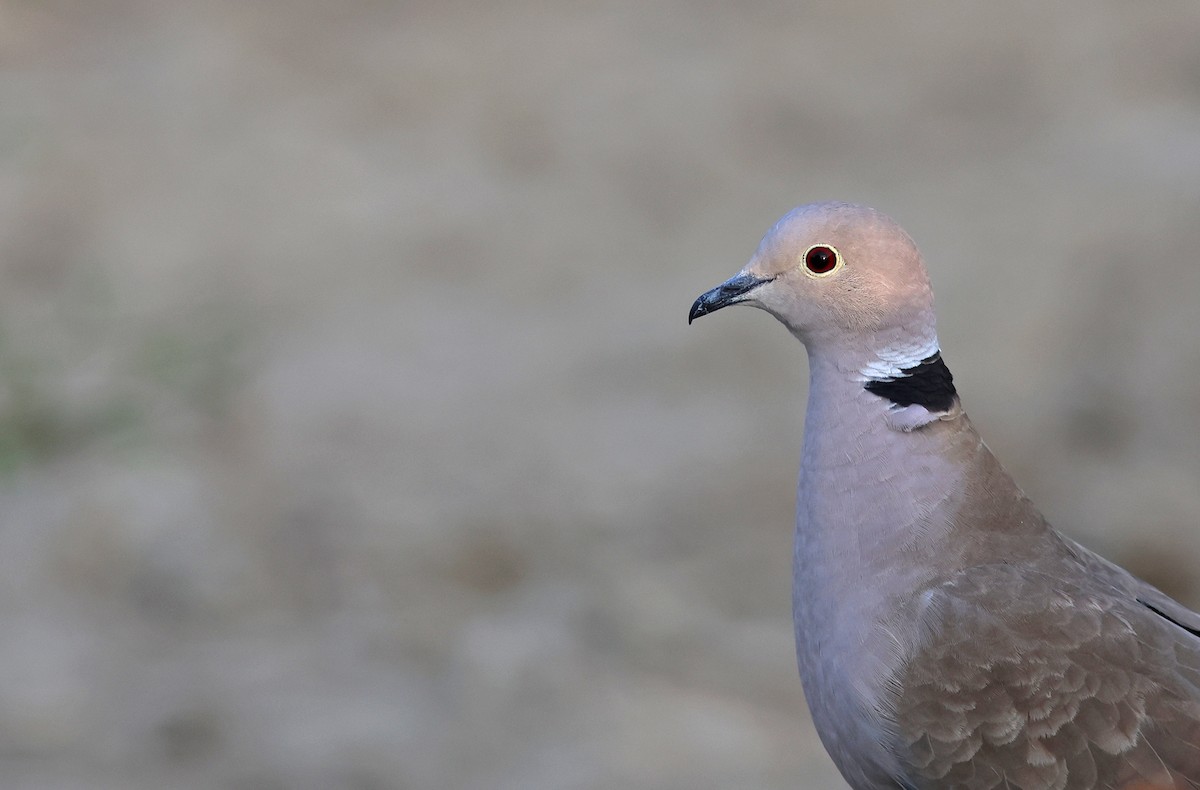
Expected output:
(1021, 679)
(1146, 594)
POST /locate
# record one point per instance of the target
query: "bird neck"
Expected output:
(870, 485)
(893, 493)
(883, 513)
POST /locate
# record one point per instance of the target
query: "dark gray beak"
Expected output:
(729, 292)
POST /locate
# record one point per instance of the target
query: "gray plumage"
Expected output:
(947, 636)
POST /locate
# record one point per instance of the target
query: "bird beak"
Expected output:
(731, 291)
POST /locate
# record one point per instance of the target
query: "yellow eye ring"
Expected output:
(822, 260)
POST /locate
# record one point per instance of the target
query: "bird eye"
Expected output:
(821, 259)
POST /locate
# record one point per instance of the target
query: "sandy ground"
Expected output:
(351, 431)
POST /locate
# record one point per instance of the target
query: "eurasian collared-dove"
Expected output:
(947, 636)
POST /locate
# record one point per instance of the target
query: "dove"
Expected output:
(947, 636)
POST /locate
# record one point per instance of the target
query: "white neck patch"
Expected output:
(891, 362)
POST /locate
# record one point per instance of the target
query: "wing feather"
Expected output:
(1026, 680)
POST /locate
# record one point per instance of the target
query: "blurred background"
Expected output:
(352, 434)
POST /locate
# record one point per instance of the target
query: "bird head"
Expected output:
(834, 271)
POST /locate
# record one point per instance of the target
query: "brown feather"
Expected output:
(1029, 680)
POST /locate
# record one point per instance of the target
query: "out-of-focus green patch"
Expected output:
(28, 431)
(30, 428)
(35, 426)
(198, 361)
(196, 364)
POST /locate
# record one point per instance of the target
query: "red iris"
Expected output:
(820, 260)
